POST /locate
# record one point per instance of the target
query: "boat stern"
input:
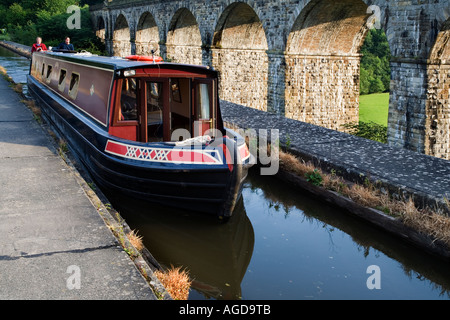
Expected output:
(239, 160)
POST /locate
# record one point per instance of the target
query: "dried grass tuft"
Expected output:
(17, 87)
(176, 282)
(427, 222)
(335, 183)
(135, 240)
(292, 164)
(32, 106)
(364, 196)
(5, 75)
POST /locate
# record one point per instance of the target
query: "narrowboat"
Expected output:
(145, 128)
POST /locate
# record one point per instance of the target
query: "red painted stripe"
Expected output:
(116, 148)
(227, 155)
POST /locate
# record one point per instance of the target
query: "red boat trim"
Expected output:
(228, 157)
(161, 155)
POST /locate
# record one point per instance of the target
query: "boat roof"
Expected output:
(118, 63)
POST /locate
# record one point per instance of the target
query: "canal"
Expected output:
(280, 244)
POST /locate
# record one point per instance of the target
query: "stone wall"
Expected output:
(184, 40)
(243, 76)
(147, 35)
(300, 58)
(121, 38)
(438, 111)
(407, 104)
(437, 141)
(413, 28)
(323, 90)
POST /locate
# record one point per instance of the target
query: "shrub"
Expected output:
(314, 177)
(368, 130)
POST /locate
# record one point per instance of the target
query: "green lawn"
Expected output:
(374, 107)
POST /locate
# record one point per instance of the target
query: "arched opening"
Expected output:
(323, 63)
(121, 37)
(239, 53)
(184, 42)
(101, 29)
(437, 140)
(147, 34)
(375, 82)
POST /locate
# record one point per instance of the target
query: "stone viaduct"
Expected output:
(301, 58)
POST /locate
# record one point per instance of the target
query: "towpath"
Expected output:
(54, 245)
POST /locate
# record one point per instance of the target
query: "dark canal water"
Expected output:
(17, 66)
(280, 244)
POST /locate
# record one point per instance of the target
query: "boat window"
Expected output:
(204, 116)
(128, 100)
(49, 72)
(203, 102)
(155, 106)
(62, 80)
(43, 69)
(74, 84)
(180, 107)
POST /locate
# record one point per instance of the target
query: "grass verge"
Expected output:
(374, 108)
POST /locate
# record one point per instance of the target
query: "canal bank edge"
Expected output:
(17, 48)
(143, 260)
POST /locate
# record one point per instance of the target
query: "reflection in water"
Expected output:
(408, 272)
(216, 254)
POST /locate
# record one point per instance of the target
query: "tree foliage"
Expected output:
(25, 20)
(375, 67)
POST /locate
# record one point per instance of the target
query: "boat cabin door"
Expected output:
(168, 109)
(203, 107)
(154, 99)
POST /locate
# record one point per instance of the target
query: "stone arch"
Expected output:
(437, 126)
(147, 33)
(184, 42)
(323, 62)
(100, 30)
(240, 54)
(121, 37)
